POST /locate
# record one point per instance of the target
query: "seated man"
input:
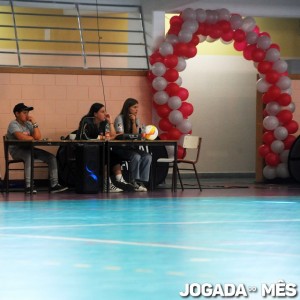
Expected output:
(25, 128)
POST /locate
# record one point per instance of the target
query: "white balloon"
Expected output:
(264, 42)
(181, 65)
(185, 126)
(211, 16)
(190, 25)
(159, 83)
(200, 15)
(161, 97)
(248, 24)
(210, 39)
(172, 38)
(251, 37)
(236, 21)
(281, 133)
(269, 172)
(270, 122)
(272, 54)
(188, 14)
(282, 170)
(284, 156)
(288, 91)
(223, 14)
(273, 108)
(202, 38)
(277, 146)
(175, 117)
(180, 141)
(158, 69)
(262, 85)
(185, 36)
(179, 81)
(291, 107)
(280, 66)
(166, 49)
(284, 82)
(174, 102)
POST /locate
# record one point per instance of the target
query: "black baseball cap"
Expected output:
(22, 107)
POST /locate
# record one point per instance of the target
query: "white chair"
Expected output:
(190, 142)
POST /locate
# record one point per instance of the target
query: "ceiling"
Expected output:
(254, 8)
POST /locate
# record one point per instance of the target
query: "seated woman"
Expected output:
(97, 122)
(140, 161)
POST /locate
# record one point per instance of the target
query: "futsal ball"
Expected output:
(151, 132)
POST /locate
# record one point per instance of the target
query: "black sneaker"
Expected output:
(27, 190)
(58, 188)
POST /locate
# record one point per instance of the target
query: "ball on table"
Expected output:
(151, 132)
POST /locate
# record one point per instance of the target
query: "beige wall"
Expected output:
(61, 100)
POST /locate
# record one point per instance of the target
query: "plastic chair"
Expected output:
(190, 142)
(16, 164)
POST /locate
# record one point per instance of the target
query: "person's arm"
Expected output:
(119, 125)
(36, 133)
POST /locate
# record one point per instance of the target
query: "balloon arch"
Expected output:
(186, 31)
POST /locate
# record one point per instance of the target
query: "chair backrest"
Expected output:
(6, 157)
(193, 142)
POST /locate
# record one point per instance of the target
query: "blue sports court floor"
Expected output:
(147, 245)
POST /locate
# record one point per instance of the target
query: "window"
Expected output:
(46, 34)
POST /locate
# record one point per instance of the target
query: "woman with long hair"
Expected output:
(140, 161)
(97, 122)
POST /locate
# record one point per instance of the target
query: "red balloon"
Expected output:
(274, 91)
(275, 46)
(181, 152)
(284, 116)
(215, 31)
(272, 159)
(172, 89)
(239, 35)
(186, 109)
(228, 36)
(272, 76)
(163, 110)
(268, 137)
(164, 136)
(174, 29)
(150, 76)
(263, 150)
(183, 93)
(284, 99)
(164, 124)
(171, 61)
(202, 29)
(174, 134)
(289, 141)
(180, 49)
(195, 40)
(240, 46)
(225, 25)
(266, 98)
(171, 75)
(292, 127)
(191, 50)
(247, 53)
(258, 55)
(264, 67)
(155, 57)
(264, 33)
(176, 20)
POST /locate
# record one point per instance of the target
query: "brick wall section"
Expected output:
(61, 100)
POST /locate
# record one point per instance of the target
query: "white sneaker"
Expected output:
(114, 189)
(139, 187)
